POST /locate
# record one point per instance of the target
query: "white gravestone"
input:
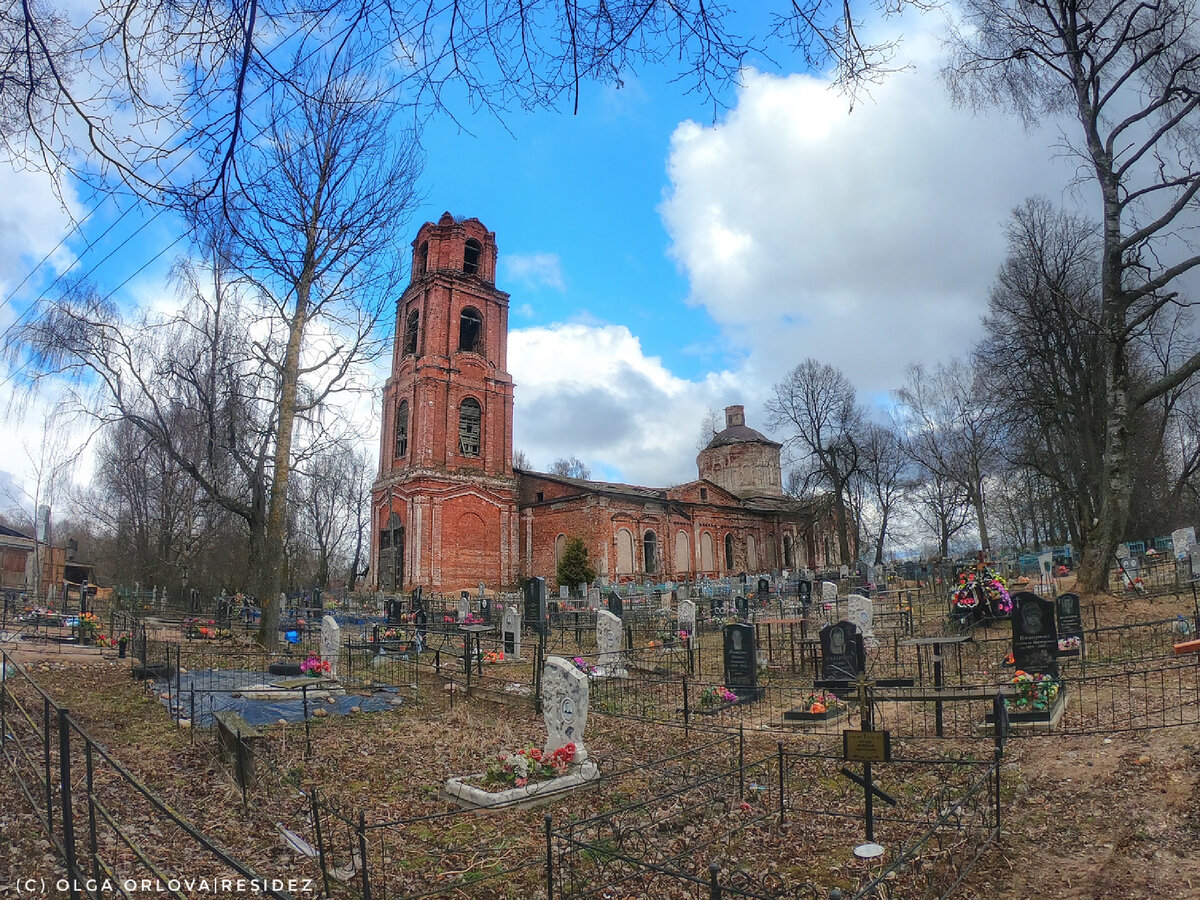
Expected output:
(331, 643)
(844, 570)
(828, 591)
(511, 633)
(564, 706)
(464, 608)
(608, 642)
(861, 612)
(593, 597)
(687, 616)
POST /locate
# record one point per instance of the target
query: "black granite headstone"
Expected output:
(742, 605)
(616, 605)
(842, 654)
(485, 609)
(535, 603)
(764, 588)
(805, 592)
(712, 606)
(1070, 625)
(422, 618)
(1035, 636)
(741, 661)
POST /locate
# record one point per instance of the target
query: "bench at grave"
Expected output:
(234, 737)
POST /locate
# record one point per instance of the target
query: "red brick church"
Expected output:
(449, 509)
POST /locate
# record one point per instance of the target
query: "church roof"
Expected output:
(740, 434)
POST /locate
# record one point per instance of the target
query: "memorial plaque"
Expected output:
(1035, 635)
(535, 603)
(1070, 625)
(866, 746)
(741, 661)
(842, 653)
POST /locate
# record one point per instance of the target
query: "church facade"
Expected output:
(449, 511)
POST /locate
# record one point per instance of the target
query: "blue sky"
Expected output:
(662, 263)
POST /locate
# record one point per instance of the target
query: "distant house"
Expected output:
(18, 563)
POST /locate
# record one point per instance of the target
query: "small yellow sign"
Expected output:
(866, 746)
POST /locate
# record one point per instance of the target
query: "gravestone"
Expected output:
(842, 654)
(564, 592)
(1035, 636)
(844, 571)
(593, 597)
(485, 609)
(828, 592)
(535, 603)
(687, 616)
(742, 605)
(804, 589)
(741, 661)
(861, 614)
(616, 605)
(331, 643)
(564, 706)
(712, 606)
(764, 588)
(511, 633)
(422, 619)
(608, 642)
(1070, 625)
(1182, 541)
(464, 607)
(482, 590)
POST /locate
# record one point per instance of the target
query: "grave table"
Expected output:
(785, 629)
(474, 646)
(937, 643)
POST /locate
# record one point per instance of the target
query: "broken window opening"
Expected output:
(729, 552)
(411, 330)
(470, 330)
(421, 266)
(650, 551)
(402, 428)
(471, 253)
(470, 426)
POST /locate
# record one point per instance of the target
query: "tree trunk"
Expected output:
(276, 528)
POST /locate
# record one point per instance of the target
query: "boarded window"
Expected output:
(402, 428)
(729, 552)
(560, 545)
(470, 427)
(624, 551)
(470, 330)
(683, 552)
(650, 551)
(706, 553)
(471, 253)
(751, 553)
(412, 328)
(703, 493)
(787, 551)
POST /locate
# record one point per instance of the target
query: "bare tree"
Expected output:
(951, 428)
(571, 468)
(884, 473)
(816, 405)
(943, 507)
(521, 461)
(711, 424)
(1128, 72)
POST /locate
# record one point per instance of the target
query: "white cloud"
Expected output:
(534, 270)
(867, 239)
(590, 391)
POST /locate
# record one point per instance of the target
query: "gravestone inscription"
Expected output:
(687, 616)
(608, 642)
(331, 643)
(511, 632)
(535, 603)
(564, 706)
(741, 661)
(842, 653)
(1070, 625)
(616, 605)
(1035, 635)
(861, 613)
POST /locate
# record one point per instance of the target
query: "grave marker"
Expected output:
(616, 605)
(741, 661)
(1035, 636)
(535, 603)
(764, 588)
(464, 605)
(842, 655)
(564, 706)
(828, 592)
(687, 616)
(511, 633)
(1070, 626)
(742, 605)
(608, 642)
(331, 643)
(804, 590)
(1182, 541)
(861, 613)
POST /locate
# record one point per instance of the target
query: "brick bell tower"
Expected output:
(445, 502)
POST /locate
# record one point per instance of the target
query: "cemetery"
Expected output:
(806, 738)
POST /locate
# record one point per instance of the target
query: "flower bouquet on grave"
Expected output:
(981, 591)
(507, 770)
(1034, 693)
(584, 666)
(315, 667)
(472, 619)
(713, 695)
(1066, 644)
(89, 627)
(493, 656)
(820, 702)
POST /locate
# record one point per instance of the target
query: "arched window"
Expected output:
(706, 553)
(470, 427)
(650, 551)
(560, 546)
(729, 553)
(421, 263)
(624, 551)
(471, 253)
(751, 553)
(470, 330)
(411, 329)
(402, 428)
(787, 551)
(683, 552)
